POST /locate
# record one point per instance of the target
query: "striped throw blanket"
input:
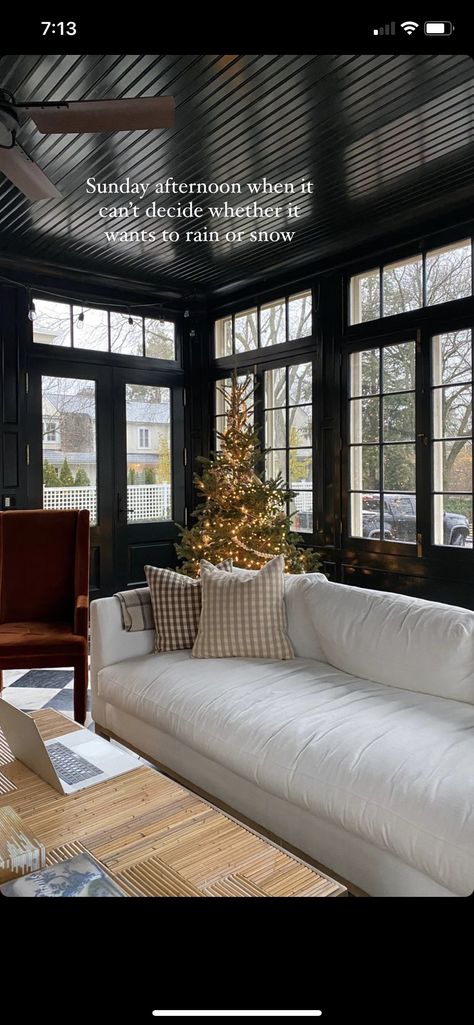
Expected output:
(136, 610)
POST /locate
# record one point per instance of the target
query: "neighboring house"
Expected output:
(69, 427)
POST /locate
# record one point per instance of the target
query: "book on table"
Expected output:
(80, 876)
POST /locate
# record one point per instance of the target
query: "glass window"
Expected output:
(280, 321)
(448, 273)
(365, 296)
(448, 276)
(223, 337)
(402, 286)
(222, 392)
(300, 311)
(452, 464)
(382, 435)
(289, 437)
(246, 334)
(148, 472)
(85, 327)
(69, 444)
(90, 328)
(52, 323)
(126, 334)
(160, 342)
(273, 323)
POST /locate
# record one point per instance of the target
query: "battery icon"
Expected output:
(438, 28)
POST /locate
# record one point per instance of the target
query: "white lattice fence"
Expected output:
(144, 501)
(303, 501)
(71, 498)
(149, 502)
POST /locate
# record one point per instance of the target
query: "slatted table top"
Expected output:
(153, 836)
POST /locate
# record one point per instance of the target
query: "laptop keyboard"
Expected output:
(70, 767)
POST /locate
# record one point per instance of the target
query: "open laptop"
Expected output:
(68, 763)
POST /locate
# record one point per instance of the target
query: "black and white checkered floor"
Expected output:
(30, 689)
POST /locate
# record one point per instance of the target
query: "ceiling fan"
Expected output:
(128, 115)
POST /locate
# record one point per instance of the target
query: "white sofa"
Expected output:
(360, 751)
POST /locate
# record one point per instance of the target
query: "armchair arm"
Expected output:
(81, 615)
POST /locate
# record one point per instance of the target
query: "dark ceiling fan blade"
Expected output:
(26, 175)
(130, 115)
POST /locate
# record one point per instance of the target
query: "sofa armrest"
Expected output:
(110, 643)
(81, 615)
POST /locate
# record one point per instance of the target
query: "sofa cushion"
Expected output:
(301, 631)
(176, 603)
(392, 766)
(395, 639)
(243, 615)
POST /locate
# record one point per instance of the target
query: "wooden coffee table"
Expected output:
(153, 836)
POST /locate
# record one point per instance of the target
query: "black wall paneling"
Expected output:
(13, 452)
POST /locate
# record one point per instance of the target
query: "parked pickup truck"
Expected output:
(400, 520)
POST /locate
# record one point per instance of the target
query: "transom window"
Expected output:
(82, 327)
(288, 397)
(452, 463)
(382, 433)
(424, 279)
(273, 323)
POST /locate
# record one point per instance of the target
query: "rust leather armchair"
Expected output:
(44, 586)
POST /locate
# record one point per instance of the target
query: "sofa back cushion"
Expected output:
(394, 639)
(243, 615)
(301, 630)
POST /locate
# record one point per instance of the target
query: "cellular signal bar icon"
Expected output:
(385, 30)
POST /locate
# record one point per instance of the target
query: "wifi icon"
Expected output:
(409, 27)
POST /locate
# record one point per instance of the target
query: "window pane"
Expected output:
(126, 338)
(160, 339)
(275, 463)
(452, 516)
(52, 324)
(365, 470)
(300, 420)
(448, 273)
(92, 332)
(223, 337)
(365, 372)
(364, 420)
(273, 323)
(398, 367)
(220, 427)
(452, 465)
(451, 357)
(301, 512)
(275, 387)
(69, 444)
(246, 336)
(399, 518)
(365, 296)
(148, 472)
(365, 515)
(299, 315)
(222, 392)
(402, 286)
(399, 417)
(275, 428)
(399, 467)
(301, 467)
(300, 384)
(452, 409)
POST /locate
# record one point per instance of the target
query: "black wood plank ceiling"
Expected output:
(388, 141)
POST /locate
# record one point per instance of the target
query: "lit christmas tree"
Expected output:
(242, 517)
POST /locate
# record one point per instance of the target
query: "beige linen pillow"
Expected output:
(243, 615)
(176, 604)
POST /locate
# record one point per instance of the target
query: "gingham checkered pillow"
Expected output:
(176, 604)
(243, 615)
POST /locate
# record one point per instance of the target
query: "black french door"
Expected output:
(110, 440)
